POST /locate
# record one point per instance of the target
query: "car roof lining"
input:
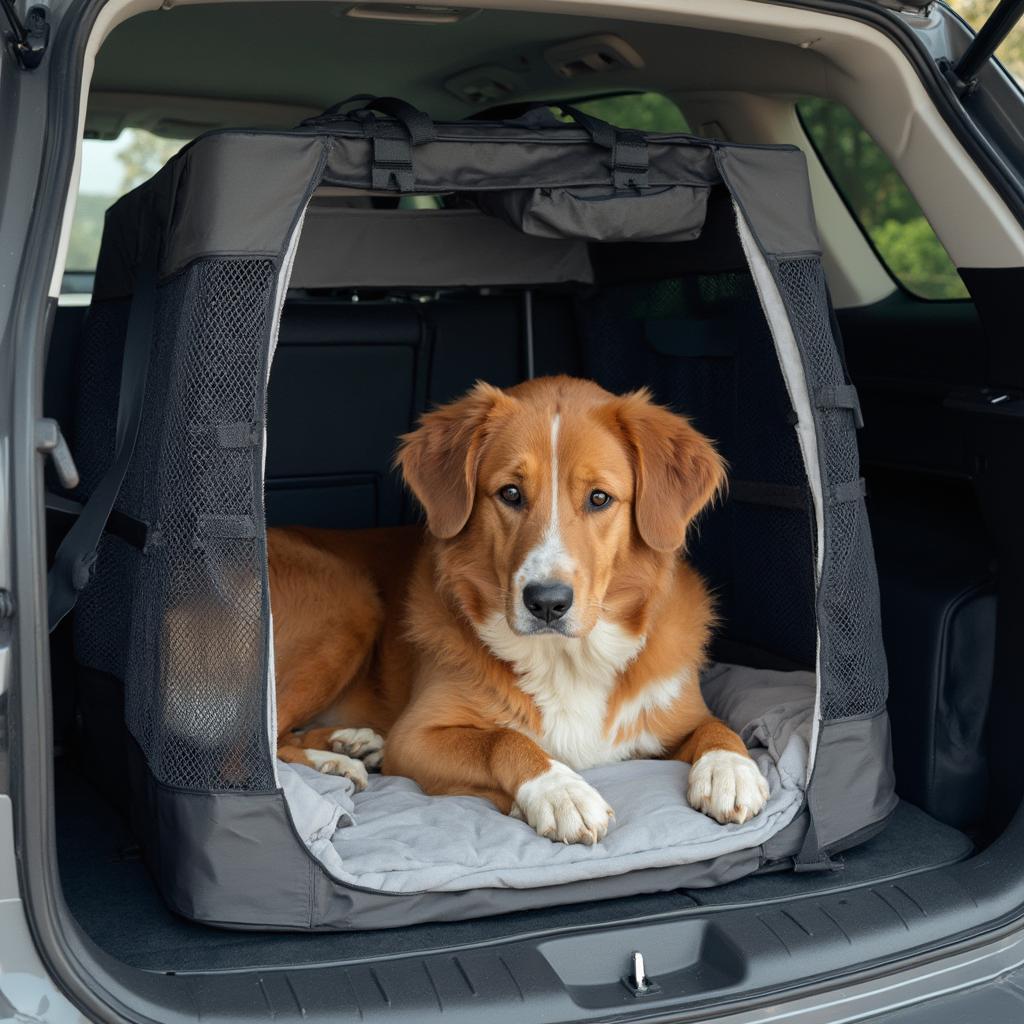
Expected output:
(232, 52)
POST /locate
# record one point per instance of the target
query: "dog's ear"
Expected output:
(439, 459)
(677, 468)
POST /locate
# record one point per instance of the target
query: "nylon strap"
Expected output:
(811, 857)
(75, 562)
(852, 490)
(840, 396)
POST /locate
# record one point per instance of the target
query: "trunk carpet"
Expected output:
(111, 895)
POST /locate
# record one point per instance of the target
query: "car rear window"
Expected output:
(880, 201)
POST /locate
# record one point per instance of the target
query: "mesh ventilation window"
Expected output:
(189, 640)
(854, 678)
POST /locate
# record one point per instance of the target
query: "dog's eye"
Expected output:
(599, 499)
(511, 495)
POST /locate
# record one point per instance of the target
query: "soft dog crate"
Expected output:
(690, 265)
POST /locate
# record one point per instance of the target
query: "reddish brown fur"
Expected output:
(379, 628)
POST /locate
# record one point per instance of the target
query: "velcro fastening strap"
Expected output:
(630, 160)
(811, 857)
(392, 161)
(226, 527)
(852, 490)
(839, 396)
(231, 434)
(236, 435)
(752, 492)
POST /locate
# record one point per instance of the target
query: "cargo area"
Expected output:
(357, 364)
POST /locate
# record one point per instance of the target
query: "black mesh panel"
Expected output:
(854, 678)
(183, 622)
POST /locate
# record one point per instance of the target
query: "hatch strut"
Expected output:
(28, 39)
(963, 75)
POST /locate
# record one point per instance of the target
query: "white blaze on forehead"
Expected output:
(548, 558)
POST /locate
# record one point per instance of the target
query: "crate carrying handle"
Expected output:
(417, 123)
(392, 144)
(630, 158)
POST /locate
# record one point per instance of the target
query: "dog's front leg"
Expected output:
(725, 783)
(508, 768)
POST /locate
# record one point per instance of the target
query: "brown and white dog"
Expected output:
(545, 624)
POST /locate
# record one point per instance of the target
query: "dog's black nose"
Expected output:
(547, 601)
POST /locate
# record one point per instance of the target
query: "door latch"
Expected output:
(636, 980)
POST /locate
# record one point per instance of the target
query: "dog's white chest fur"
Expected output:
(571, 682)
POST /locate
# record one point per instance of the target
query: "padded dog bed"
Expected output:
(394, 838)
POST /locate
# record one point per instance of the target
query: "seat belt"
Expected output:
(75, 562)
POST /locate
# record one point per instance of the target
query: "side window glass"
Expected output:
(880, 201)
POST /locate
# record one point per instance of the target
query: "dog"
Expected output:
(543, 623)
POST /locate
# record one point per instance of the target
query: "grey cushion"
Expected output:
(394, 838)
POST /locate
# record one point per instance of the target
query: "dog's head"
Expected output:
(558, 502)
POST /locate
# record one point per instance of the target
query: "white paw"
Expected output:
(727, 786)
(364, 744)
(339, 764)
(562, 807)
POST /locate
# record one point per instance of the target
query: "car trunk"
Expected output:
(354, 368)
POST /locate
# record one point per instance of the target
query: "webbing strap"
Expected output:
(75, 561)
(851, 490)
(811, 857)
(840, 396)
(392, 158)
(630, 160)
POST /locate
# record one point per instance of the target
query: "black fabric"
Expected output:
(347, 380)
(74, 563)
(700, 342)
(938, 591)
(716, 251)
(350, 377)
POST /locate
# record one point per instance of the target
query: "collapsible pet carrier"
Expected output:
(686, 265)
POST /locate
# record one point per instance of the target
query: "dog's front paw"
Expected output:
(364, 744)
(560, 806)
(339, 764)
(727, 786)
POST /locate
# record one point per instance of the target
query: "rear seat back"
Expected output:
(350, 376)
(344, 384)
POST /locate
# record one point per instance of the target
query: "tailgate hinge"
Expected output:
(28, 39)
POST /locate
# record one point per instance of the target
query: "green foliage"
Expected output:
(881, 201)
(642, 111)
(143, 156)
(916, 257)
